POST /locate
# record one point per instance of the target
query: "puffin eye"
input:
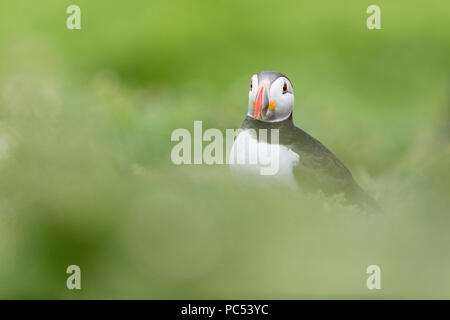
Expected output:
(251, 86)
(285, 88)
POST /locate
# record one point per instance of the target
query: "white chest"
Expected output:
(250, 156)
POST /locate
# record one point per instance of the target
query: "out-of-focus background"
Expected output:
(86, 177)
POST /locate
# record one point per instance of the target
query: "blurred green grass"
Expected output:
(85, 170)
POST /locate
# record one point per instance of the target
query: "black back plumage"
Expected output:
(318, 167)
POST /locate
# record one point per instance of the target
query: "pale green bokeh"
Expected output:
(85, 171)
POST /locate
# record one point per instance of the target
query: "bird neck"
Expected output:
(250, 122)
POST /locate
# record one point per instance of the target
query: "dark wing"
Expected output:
(320, 169)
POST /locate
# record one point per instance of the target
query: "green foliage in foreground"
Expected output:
(85, 170)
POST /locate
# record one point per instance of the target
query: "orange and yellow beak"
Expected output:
(262, 103)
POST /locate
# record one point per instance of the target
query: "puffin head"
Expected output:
(271, 97)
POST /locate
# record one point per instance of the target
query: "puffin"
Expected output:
(302, 161)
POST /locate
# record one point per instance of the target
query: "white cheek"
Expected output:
(286, 102)
(279, 98)
(252, 93)
(251, 97)
(288, 99)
